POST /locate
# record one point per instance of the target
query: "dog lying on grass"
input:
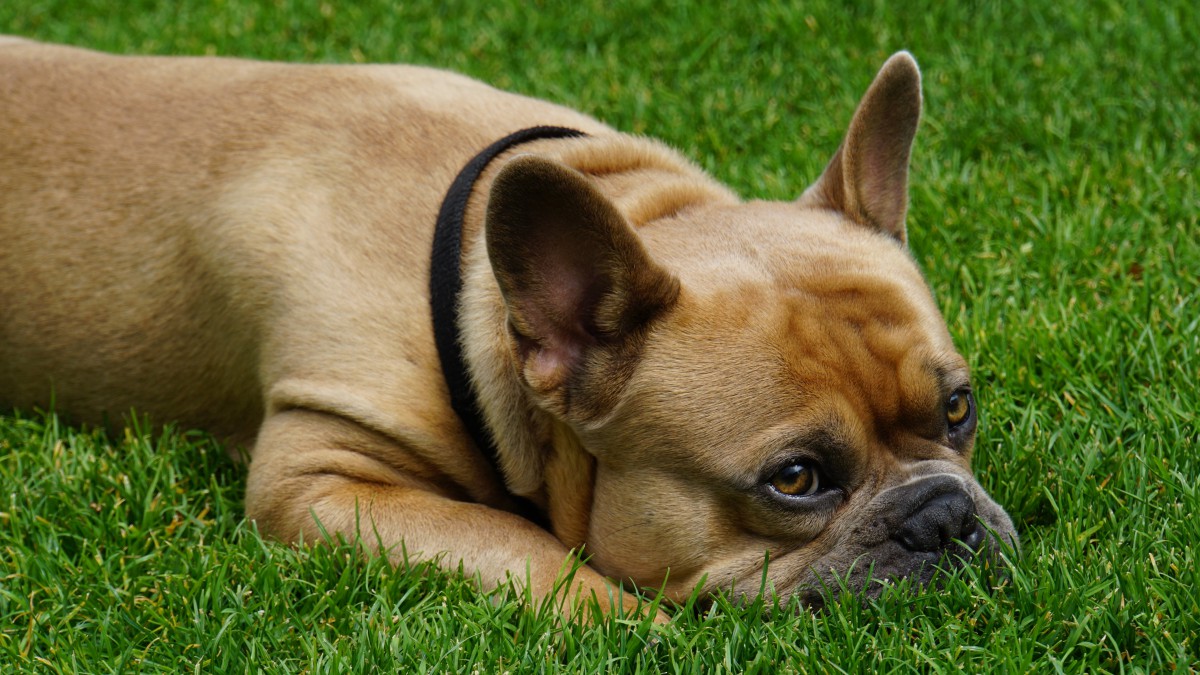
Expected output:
(472, 325)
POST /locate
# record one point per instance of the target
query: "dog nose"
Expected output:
(940, 521)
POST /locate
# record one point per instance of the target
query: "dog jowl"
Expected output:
(620, 356)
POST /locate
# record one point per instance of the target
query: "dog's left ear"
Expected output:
(578, 284)
(867, 179)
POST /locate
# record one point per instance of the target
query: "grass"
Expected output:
(1054, 211)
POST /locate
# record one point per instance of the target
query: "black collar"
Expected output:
(445, 283)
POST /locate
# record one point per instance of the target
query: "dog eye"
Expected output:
(796, 480)
(958, 408)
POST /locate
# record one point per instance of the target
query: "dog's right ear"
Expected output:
(577, 282)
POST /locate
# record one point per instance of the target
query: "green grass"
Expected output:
(1054, 210)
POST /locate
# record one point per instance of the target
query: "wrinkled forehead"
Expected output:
(840, 332)
(873, 341)
(878, 337)
(815, 284)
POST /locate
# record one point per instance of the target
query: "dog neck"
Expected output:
(540, 456)
(445, 283)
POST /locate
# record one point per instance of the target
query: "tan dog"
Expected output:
(677, 381)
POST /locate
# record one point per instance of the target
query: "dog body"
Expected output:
(676, 380)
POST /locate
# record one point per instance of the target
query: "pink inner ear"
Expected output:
(551, 362)
(556, 315)
(568, 279)
(566, 291)
(881, 181)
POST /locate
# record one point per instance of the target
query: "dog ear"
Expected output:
(867, 179)
(578, 284)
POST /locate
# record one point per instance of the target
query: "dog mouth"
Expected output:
(868, 577)
(865, 577)
(926, 558)
(914, 562)
(935, 533)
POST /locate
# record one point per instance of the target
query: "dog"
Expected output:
(468, 326)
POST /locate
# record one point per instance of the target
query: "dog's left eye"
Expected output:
(796, 480)
(958, 408)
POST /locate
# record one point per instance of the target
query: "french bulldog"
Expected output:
(462, 325)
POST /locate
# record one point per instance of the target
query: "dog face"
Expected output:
(750, 379)
(829, 423)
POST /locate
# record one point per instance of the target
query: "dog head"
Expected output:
(738, 379)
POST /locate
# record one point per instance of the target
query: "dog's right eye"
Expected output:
(796, 480)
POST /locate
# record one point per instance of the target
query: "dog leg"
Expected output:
(314, 474)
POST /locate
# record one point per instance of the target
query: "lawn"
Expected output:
(1054, 212)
